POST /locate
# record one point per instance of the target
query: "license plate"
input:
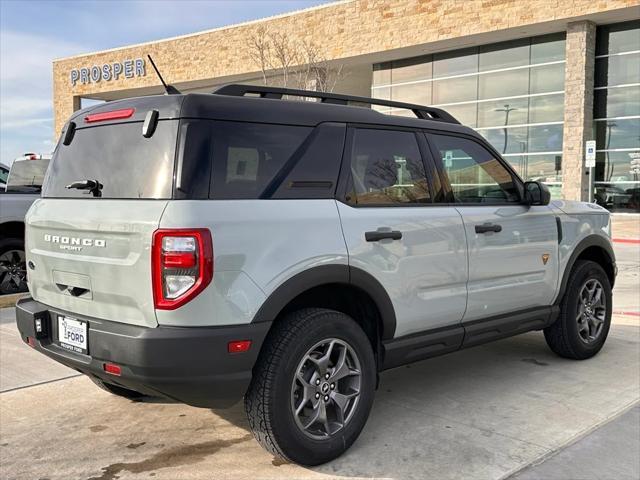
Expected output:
(72, 334)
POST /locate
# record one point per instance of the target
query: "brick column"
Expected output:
(578, 108)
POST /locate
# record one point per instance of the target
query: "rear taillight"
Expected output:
(182, 265)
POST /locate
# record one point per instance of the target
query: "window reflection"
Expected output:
(453, 90)
(618, 70)
(617, 102)
(386, 168)
(620, 133)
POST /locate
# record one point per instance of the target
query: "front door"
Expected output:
(513, 247)
(413, 247)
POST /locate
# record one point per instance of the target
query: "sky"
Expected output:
(35, 32)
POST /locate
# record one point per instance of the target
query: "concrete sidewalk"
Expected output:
(625, 227)
(609, 452)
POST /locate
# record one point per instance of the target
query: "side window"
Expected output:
(476, 176)
(386, 168)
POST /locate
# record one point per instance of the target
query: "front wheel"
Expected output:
(312, 387)
(585, 313)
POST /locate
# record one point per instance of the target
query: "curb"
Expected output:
(635, 241)
(7, 301)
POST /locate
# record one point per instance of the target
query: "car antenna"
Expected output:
(170, 89)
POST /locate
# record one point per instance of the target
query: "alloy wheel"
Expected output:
(13, 272)
(326, 388)
(592, 310)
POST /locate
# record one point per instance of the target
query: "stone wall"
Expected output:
(343, 30)
(578, 107)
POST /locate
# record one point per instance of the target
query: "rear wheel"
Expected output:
(13, 267)
(585, 313)
(117, 390)
(312, 387)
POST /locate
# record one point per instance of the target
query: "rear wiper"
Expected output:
(94, 186)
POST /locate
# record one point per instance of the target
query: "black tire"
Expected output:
(269, 404)
(117, 390)
(13, 267)
(563, 336)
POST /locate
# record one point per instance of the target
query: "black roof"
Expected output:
(262, 109)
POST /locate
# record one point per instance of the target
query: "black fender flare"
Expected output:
(325, 275)
(592, 240)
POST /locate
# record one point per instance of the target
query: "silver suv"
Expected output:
(210, 247)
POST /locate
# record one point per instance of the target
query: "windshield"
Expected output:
(120, 158)
(26, 175)
(4, 172)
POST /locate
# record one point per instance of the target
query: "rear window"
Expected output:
(27, 175)
(127, 164)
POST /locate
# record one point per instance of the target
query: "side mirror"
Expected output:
(537, 193)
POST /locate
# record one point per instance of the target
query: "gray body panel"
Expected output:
(116, 276)
(14, 206)
(257, 245)
(433, 278)
(506, 269)
(579, 222)
(424, 273)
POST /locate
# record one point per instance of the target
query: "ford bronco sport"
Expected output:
(210, 247)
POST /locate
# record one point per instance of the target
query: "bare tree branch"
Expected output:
(295, 64)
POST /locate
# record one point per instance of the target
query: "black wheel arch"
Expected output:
(593, 247)
(325, 275)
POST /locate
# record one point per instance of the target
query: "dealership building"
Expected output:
(538, 79)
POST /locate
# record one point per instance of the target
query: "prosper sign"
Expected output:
(108, 71)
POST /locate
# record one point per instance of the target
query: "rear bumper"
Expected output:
(187, 364)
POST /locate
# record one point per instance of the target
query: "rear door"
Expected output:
(393, 230)
(513, 248)
(91, 255)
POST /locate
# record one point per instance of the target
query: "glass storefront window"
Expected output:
(549, 48)
(507, 83)
(617, 167)
(507, 140)
(545, 138)
(504, 55)
(451, 90)
(548, 78)
(381, 74)
(419, 93)
(617, 70)
(465, 113)
(455, 63)
(621, 37)
(494, 114)
(619, 133)
(618, 181)
(544, 168)
(492, 87)
(617, 102)
(546, 108)
(419, 68)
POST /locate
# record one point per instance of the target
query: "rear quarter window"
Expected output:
(235, 160)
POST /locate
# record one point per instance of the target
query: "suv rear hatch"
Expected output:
(89, 251)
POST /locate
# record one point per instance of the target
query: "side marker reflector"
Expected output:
(112, 369)
(239, 346)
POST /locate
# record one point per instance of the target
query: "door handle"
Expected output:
(488, 227)
(378, 235)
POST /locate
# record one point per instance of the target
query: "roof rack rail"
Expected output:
(420, 111)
